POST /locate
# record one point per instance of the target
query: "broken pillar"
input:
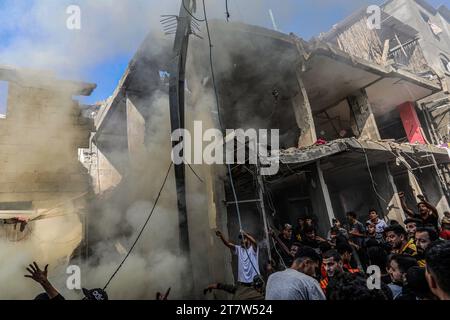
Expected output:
(320, 199)
(304, 117)
(387, 189)
(365, 126)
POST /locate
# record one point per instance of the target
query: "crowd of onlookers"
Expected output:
(359, 259)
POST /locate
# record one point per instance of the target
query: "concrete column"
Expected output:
(433, 190)
(135, 134)
(387, 189)
(304, 117)
(365, 126)
(414, 184)
(321, 200)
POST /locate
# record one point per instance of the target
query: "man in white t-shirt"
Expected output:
(247, 256)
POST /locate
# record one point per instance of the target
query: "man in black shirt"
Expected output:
(427, 212)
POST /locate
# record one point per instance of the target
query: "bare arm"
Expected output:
(407, 210)
(251, 239)
(229, 244)
(40, 276)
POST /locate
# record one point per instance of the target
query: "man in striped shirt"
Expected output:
(333, 264)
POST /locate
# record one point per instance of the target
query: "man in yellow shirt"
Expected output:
(397, 237)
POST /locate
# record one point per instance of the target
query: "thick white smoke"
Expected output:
(35, 35)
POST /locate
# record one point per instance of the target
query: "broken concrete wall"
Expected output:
(39, 141)
(361, 41)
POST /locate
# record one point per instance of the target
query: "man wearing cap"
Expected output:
(95, 294)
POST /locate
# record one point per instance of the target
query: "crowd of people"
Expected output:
(359, 259)
(366, 259)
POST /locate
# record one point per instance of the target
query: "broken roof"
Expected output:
(388, 22)
(331, 75)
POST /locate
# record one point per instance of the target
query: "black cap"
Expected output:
(42, 296)
(95, 294)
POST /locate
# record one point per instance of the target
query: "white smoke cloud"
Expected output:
(35, 36)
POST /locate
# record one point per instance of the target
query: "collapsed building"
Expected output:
(350, 135)
(414, 36)
(43, 187)
(433, 38)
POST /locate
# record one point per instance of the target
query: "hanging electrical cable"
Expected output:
(370, 171)
(142, 229)
(227, 13)
(216, 95)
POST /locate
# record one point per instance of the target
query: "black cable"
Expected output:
(142, 229)
(227, 11)
(195, 173)
(213, 78)
(370, 171)
(193, 17)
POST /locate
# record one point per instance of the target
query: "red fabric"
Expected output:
(411, 122)
(445, 234)
(323, 271)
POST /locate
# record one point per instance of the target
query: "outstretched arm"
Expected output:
(251, 239)
(229, 244)
(40, 276)
(407, 210)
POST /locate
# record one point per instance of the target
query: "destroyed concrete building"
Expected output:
(433, 26)
(413, 36)
(42, 185)
(270, 80)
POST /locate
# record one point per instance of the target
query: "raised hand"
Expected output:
(38, 275)
(160, 296)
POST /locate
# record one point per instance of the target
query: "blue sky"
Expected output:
(31, 34)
